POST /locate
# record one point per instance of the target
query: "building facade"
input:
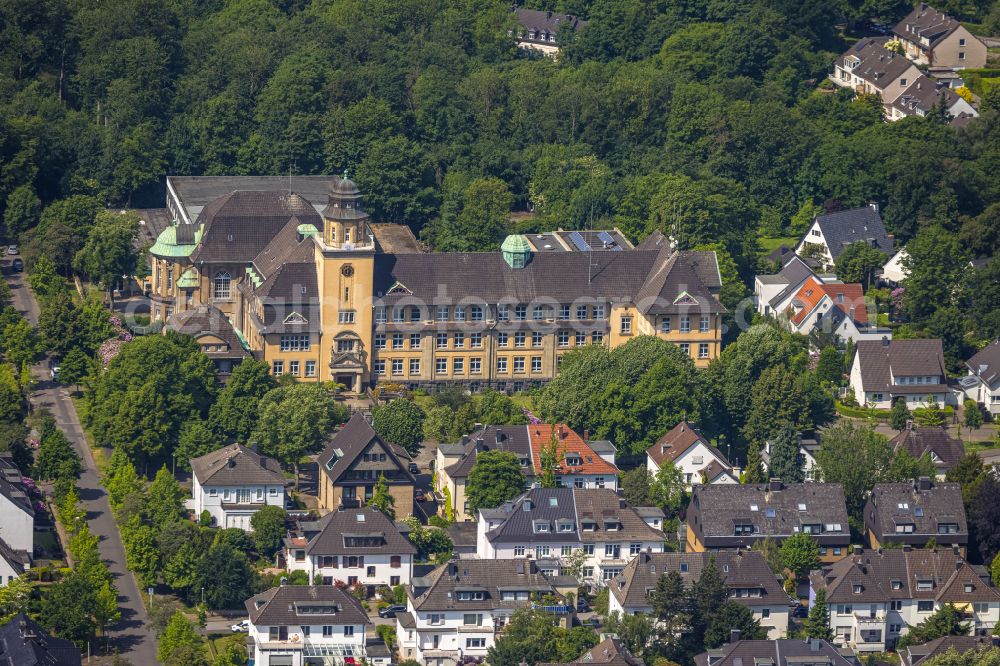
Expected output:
(930, 37)
(233, 483)
(911, 370)
(305, 281)
(697, 460)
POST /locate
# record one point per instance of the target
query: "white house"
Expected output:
(910, 369)
(698, 461)
(773, 293)
(351, 546)
(455, 612)
(875, 596)
(232, 483)
(17, 522)
(301, 625)
(555, 525)
(893, 271)
(748, 580)
(924, 95)
(807, 450)
(832, 233)
(983, 381)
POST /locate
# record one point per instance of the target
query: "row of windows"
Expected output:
(398, 366)
(611, 550)
(278, 368)
(294, 343)
(461, 313)
(518, 340)
(684, 324)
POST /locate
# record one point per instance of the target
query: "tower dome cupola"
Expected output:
(344, 218)
(516, 251)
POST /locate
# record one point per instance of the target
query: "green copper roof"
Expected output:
(254, 277)
(515, 243)
(307, 230)
(188, 279)
(166, 243)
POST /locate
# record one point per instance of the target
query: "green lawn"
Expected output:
(769, 244)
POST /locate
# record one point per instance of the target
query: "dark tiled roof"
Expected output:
(881, 362)
(943, 449)
(793, 273)
(925, 21)
(863, 224)
(329, 535)
(503, 438)
(677, 441)
(914, 654)
(603, 505)
(23, 642)
(438, 591)
(609, 652)
(875, 577)
(547, 21)
(879, 66)
(208, 320)
(281, 606)
(394, 238)
(743, 569)
(12, 485)
(922, 504)
(355, 438)
(240, 224)
(783, 652)
(19, 560)
(986, 363)
(235, 465)
(781, 510)
(924, 95)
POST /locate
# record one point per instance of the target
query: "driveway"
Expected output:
(131, 635)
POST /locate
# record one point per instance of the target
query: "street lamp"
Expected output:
(203, 596)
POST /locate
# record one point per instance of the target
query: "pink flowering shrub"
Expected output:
(532, 419)
(113, 346)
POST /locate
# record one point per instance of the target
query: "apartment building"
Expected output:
(917, 513)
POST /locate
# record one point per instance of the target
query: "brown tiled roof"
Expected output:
(923, 504)
(234, 465)
(945, 450)
(880, 362)
(743, 569)
(673, 444)
(986, 363)
(395, 238)
(602, 504)
(879, 67)
(609, 652)
(568, 442)
(925, 21)
(356, 437)
(208, 319)
(782, 652)
(846, 297)
(915, 654)
(898, 574)
(438, 591)
(281, 606)
(924, 95)
(328, 535)
(777, 511)
(502, 438)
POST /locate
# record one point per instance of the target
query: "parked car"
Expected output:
(11, 249)
(419, 496)
(18, 265)
(582, 606)
(54, 370)
(241, 626)
(390, 611)
(800, 611)
(414, 469)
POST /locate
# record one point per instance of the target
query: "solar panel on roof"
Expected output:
(578, 241)
(609, 240)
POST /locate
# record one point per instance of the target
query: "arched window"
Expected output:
(220, 285)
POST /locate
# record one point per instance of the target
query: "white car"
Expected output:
(241, 627)
(11, 249)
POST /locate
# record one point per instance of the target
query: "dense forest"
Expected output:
(704, 118)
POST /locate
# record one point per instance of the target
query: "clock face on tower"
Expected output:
(347, 271)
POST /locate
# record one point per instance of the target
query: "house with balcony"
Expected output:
(455, 612)
(869, 68)
(352, 546)
(748, 580)
(298, 625)
(930, 37)
(581, 462)
(785, 652)
(697, 460)
(913, 370)
(983, 381)
(351, 464)
(727, 517)
(552, 525)
(935, 442)
(875, 596)
(917, 513)
(233, 483)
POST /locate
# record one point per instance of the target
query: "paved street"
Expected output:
(130, 635)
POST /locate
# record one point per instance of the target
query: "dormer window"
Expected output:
(565, 526)
(684, 567)
(589, 526)
(574, 461)
(858, 589)
(925, 584)
(469, 595)
(968, 587)
(612, 526)
(541, 527)
(770, 513)
(741, 529)
(897, 585)
(904, 528)
(754, 507)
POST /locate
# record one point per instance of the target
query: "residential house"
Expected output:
(360, 545)
(233, 483)
(916, 513)
(748, 580)
(875, 596)
(925, 95)
(832, 233)
(944, 450)
(539, 30)
(352, 463)
(554, 525)
(912, 655)
(306, 282)
(609, 652)
(894, 272)
(984, 366)
(17, 522)
(786, 652)
(581, 463)
(935, 39)
(808, 446)
(773, 294)
(297, 625)
(832, 308)
(870, 68)
(734, 517)
(910, 369)
(23, 642)
(692, 454)
(455, 612)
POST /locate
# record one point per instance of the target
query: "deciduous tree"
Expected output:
(400, 422)
(268, 525)
(495, 478)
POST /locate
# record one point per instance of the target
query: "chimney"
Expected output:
(774, 484)
(814, 645)
(885, 341)
(586, 435)
(734, 635)
(924, 483)
(959, 563)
